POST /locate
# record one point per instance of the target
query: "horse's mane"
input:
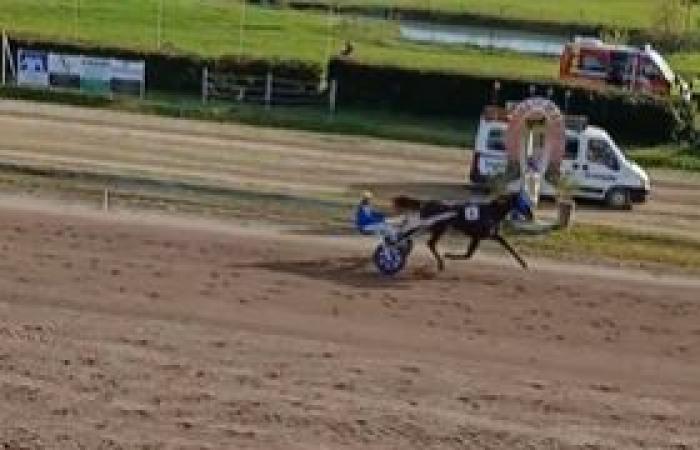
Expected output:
(406, 203)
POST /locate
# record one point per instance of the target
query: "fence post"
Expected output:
(8, 60)
(4, 57)
(268, 90)
(332, 96)
(205, 84)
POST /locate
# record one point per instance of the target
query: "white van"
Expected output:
(592, 161)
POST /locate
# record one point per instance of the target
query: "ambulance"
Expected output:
(591, 62)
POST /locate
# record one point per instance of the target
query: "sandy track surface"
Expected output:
(129, 332)
(276, 161)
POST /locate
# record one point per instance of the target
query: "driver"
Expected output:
(367, 219)
(370, 221)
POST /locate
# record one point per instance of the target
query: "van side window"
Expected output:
(650, 71)
(496, 140)
(592, 63)
(599, 152)
(571, 149)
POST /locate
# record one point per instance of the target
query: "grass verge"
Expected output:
(376, 123)
(596, 242)
(611, 13)
(668, 157)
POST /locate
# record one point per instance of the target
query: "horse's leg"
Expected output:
(510, 249)
(473, 245)
(432, 243)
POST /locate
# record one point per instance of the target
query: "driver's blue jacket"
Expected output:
(366, 216)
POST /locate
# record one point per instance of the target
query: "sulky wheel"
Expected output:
(390, 259)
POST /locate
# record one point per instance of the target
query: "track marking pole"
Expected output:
(105, 200)
(205, 84)
(332, 97)
(268, 90)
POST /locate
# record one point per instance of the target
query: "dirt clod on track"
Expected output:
(128, 332)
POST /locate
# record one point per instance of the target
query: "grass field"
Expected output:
(212, 28)
(611, 13)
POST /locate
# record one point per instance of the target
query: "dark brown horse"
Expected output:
(478, 220)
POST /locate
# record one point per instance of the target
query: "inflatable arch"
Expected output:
(520, 119)
(535, 160)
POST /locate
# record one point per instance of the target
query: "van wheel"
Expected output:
(618, 198)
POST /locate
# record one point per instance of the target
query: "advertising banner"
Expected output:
(91, 74)
(32, 68)
(64, 70)
(95, 75)
(127, 76)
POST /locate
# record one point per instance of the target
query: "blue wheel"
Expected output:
(389, 259)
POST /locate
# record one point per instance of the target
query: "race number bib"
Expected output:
(471, 213)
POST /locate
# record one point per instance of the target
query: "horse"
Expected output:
(478, 220)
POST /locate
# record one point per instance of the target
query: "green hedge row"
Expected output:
(56, 96)
(640, 119)
(181, 73)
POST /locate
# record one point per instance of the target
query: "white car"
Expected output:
(592, 161)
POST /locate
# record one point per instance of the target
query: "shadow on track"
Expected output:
(356, 272)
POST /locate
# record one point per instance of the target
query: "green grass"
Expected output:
(211, 27)
(686, 64)
(611, 13)
(667, 157)
(616, 244)
(375, 123)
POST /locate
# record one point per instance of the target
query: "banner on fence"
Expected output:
(128, 77)
(95, 75)
(87, 73)
(32, 68)
(64, 71)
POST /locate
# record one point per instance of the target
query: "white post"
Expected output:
(105, 200)
(8, 64)
(268, 90)
(205, 84)
(332, 97)
(159, 24)
(4, 57)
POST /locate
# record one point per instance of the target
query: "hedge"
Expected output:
(173, 72)
(636, 118)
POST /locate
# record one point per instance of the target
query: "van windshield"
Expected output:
(496, 140)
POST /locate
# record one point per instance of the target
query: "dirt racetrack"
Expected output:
(305, 165)
(121, 331)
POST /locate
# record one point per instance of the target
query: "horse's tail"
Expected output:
(406, 203)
